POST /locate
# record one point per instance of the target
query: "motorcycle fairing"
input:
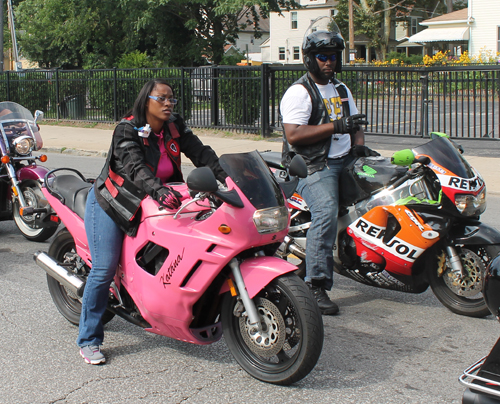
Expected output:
(453, 172)
(297, 202)
(407, 238)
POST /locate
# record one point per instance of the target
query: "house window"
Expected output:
(414, 26)
(281, 54)
(498, 46)
(296, 53)
(293, 15)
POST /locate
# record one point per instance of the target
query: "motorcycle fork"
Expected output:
(248, 303)
(16, 188)
(455, 262)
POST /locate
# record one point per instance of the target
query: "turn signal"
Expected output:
(43, 158)
(224, 229)
(5, 159)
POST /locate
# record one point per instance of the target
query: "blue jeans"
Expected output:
(105, 240)
(321, 193)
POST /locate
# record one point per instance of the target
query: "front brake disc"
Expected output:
(268, 341)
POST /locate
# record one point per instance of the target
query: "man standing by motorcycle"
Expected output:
(322, 124)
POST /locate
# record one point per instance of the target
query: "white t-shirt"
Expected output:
(296, 108)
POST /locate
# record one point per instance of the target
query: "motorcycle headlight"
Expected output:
(470, 205)
(272, 220)
(23, 145)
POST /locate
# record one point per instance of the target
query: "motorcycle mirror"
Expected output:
(202, 179)
(298, 167)
(38, 115)
(403, 157)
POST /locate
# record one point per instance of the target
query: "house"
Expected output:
(287, 31)
(484, 16)
(246, 41)
(449, 31)
(476, 29)
(288, 28)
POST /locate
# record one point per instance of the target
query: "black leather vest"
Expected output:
(315, 155)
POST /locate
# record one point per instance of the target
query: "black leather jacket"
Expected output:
(129, 172)
(315, 155)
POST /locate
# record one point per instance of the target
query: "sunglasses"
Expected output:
(324, 58)
(163, 100)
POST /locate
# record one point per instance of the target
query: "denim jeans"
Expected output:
(105, 240)
(320, 191)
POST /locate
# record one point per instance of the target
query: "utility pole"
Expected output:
(1, 36)
(352, 49)
(10, 14)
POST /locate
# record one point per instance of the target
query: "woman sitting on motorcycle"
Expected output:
(144, 155)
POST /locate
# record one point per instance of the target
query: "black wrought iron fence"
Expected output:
(462, 101)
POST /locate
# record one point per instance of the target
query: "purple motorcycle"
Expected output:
(21, 197)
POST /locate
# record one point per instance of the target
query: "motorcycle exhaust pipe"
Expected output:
(59, 273)
(294, 248)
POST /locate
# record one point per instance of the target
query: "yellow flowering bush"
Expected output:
(485, 56)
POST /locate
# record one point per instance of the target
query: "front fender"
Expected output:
(31, 172)
(259, 271)
(476, 233)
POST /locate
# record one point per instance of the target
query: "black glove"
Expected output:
(359, 150)
(350, 124)
(168, 198)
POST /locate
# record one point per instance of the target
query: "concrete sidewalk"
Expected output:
(483, 155)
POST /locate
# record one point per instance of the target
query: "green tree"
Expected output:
(76, 33)
(92, 33)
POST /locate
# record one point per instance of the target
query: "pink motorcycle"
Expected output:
(202, 271)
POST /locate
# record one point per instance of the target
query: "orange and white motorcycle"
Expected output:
(408, 222)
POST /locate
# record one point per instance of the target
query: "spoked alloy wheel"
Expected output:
(464, 295)
(290, 342)
(33, 197)
(62, 249)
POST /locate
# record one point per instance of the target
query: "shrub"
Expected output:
(240, 95)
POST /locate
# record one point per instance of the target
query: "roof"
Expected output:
(441, 34)
(455, 16)
(263, 22)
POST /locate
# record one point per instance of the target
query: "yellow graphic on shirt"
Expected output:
(334, 107)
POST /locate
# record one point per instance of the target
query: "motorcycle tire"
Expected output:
(68, 304)
(465, 298)
(32, 193)
(290, 344)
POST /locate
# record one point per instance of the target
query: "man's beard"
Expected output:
(326, 76)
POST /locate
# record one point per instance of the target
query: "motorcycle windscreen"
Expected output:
(252, 176)
(17, 120)
(444, 153)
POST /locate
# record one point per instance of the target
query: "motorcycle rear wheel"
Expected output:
(69, 305)
(32, 193)
(465, 297)
(290, 344)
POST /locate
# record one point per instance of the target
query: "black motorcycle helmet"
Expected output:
(323, 35)
(491, 287)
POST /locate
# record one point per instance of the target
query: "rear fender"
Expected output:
(260, 271)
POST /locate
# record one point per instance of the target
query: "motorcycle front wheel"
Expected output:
(290, 342)
(62, 249)
(464, 295)
(33, 196)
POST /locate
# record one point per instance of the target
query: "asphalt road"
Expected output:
(384, 347)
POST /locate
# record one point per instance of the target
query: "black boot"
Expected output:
(326, 306)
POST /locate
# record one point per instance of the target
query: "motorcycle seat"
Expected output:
(74, 191)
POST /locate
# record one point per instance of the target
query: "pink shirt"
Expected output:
(165, 166)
